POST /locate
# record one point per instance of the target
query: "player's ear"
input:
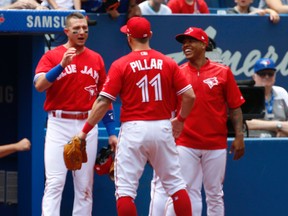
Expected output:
(151, 33)
(204, 46)
(66, 30)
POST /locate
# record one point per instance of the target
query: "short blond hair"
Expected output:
(75, 15)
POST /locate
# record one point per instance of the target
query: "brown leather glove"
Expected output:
(75, 153)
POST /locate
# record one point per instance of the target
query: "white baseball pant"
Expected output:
(142, 141)
(198, 167)
(59, 132)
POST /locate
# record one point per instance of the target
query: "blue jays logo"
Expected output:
(92, 89)
(211, 82)
(188, 31)
(2, 19)
(265, 62)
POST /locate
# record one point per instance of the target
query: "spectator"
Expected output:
(202, 145)
(62, 4)
(154, 7)
(275, 120)
(188, 6)
(281, 6)
(130, 7)
(99, 6)
(114, 7)
(24, 4)
(91, 6)
(7, 149)
(245, 7)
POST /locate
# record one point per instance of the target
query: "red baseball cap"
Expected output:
(193, 32)
(137, 27)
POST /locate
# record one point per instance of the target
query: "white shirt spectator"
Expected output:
(63, 4)
(5, 3)
(154, 7)
(263, 4)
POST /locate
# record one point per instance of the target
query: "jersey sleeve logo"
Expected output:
(211, 82)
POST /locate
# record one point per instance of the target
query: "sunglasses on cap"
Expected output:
(266, 73)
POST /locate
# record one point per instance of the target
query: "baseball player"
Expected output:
(203, 141)
(72, 76)
(145, 80)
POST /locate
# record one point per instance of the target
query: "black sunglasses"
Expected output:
(266, 73)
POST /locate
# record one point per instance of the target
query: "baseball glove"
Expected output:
(75, 153)
(104, 163)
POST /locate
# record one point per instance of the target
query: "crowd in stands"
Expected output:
(245, 7)
(158, 7)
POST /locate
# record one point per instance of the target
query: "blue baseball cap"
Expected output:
(264, 63)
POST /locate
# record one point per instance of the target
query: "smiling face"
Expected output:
(76, 31)
(193, 49)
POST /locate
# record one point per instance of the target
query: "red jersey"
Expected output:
(180, 6)
(77, 87)
(215, 89)
(144, 81)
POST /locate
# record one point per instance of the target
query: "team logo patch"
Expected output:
(188, 31)
(211, 82)
(92, 89)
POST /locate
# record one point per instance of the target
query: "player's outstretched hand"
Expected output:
(237, 148)
(23, 145)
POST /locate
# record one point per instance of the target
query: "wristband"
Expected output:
(52, 75)
(87, 127)
(109, 122)
(180, 118)
(110, 128)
